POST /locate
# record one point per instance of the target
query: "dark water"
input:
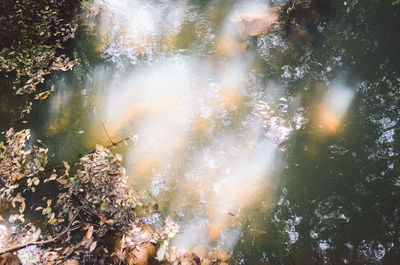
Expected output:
(339, 195)
(284, 152)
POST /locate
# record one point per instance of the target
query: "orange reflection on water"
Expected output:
(237, 193)
(61, 123)
(327, 119)
(189, 114)
(230, 98)
(228, 47)
(256, 22)
(331, 112)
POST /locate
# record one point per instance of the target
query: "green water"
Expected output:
(290, 147)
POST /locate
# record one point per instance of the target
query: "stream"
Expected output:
(273, 146)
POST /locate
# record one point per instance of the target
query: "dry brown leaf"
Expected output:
(22, 207)
(9, 259)
(89, 234)
(13, 218)
(110, 221)
(62, 181)
(70, 216)
(221, 254)
(161, 252)
(36, 181)
(42, 95)
(67, 167)
(71, 262)
(93, 246)
(102, 219)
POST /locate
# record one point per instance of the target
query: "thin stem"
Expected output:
(14, 248)
(105, 130)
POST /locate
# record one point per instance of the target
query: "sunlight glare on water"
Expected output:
(208, 126)
(334, 106)
(139, 28)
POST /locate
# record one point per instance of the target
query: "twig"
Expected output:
(120, 141)
(109, 138)
(113, 144)
(80, 217)
(14, 248)
(94, 150)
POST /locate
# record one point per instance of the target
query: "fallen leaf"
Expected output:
(42, 95)
(67, 167)
(9, 259)
(13, 218)
(35, 181)
(110, 221)
(92, 246)
(71, 262)
(36, 235)
(22, 207)
(62, 181)
(70, 216)
(161, 252)
(89, 234)
(52, 177)
(102, 219)
(221, 254)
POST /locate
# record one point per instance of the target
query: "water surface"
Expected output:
(277, 147)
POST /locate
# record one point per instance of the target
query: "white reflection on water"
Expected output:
(338, 100)
(334, 106)
(208, 126)
(202, 143)
(133, 29)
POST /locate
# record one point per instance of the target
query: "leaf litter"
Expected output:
(96, 218)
